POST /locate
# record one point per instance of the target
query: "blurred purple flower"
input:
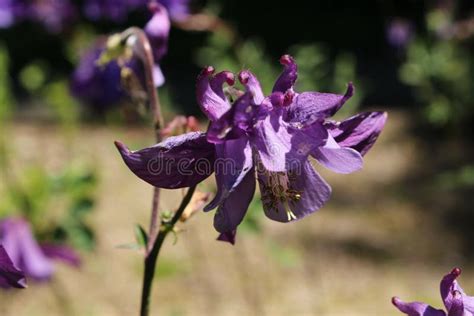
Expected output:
(53, 14)
(95, 85)
(399, 33)
(456, 302)
(115, 10)
(157, 30)
(177, 9)
(27, 255)
(10, 276)
(118, 10)
(264, 138)
(6, 13)
(101, 87)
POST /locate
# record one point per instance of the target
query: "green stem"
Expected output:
(152, 257)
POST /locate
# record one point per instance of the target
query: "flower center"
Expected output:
(278, 191)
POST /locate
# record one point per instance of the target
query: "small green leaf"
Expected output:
(141, 236)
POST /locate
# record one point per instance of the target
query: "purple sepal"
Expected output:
(23, 250)
(233, 209)
(178, 162)
(10, 276)
(416, 308)
(359, 131)
(228, 237)
(312, 106)
(63, 253)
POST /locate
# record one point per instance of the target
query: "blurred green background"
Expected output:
(392, 229)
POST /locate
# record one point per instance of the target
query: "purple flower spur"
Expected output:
(253, 137)
(457, 303)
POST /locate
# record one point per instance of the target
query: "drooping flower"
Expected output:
(102, 86)
(456, 302)
(269, 139)
(34, 260)
(10, 276)
(97, 86)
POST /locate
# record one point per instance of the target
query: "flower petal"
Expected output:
(178, 162)
(231, 125)
(288, 77)
(338, 159)
(293, 195)
(228, 237)
(273, 141)
(63, 253)
(157, 30)
(457, 306)
(304, 141)
(10, 276)
(23, 250)
(210, 94)
(416, 308)
(449, 286)
(234, 160)
(360, 131)
(98, 86)
(232, 211)
(252, 86)
(178, 9)
(158, 77)
(311, 106)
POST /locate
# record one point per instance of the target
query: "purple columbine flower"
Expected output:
(456, 302)
(263, 138)
(101, 86)
(95, 85)
(10, 276)
(34, 260)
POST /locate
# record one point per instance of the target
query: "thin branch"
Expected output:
(142, 49)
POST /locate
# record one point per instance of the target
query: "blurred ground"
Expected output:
(373, 240)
